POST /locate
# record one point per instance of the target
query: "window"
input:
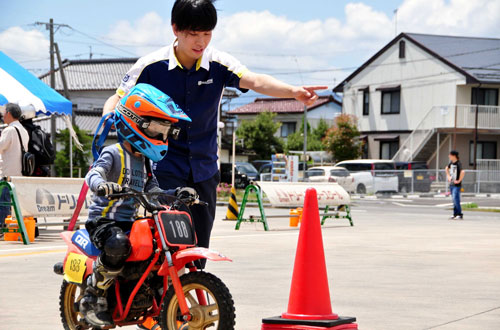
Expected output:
(388, 149)
(339, 173)
(485, 96)
(287, 129)
(315, 172)
(391, 102)
(364, 148)
(356, 167)
(402, 49)
(366, 102)
(485, 150)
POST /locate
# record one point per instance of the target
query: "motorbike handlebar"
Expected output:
(141, 197)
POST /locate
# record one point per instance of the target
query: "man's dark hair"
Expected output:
(14, 110)
(194, 15)
(454, 153)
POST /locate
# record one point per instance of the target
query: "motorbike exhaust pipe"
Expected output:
(59, 268)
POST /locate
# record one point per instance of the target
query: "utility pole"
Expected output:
(53, 85)
(61, 71)
(50, 26)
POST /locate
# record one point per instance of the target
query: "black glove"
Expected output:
(186, 193)
(108, 188)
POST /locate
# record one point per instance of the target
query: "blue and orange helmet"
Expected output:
(144, 118)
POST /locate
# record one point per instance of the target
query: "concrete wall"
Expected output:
(425, 82)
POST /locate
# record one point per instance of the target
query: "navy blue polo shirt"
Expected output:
(198, 92)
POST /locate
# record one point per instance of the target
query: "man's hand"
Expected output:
(449, 178)
(457, 181)
(108, 188)
(307, 94)
(186, 193)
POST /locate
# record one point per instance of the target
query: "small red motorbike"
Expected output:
(149, 285)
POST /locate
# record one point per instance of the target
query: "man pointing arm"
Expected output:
(194, 75)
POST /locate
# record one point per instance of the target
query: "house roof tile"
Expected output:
(278, 105)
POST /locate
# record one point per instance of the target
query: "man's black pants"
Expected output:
(203, 216)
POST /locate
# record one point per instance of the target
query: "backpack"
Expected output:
(27, 158)
(41, 146)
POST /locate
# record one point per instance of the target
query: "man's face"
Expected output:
(192, 43)
(452, 158)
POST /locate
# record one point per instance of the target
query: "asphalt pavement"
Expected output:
(403, 265)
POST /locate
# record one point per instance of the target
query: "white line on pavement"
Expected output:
(444, 205)
(34, 248)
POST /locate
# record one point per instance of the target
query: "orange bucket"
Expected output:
(11, 224)
(294, 217)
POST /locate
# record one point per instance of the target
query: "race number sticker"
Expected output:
(177, 228)
(75, 268)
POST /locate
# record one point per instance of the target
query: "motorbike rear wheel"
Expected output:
(218, 314)
(70, 295)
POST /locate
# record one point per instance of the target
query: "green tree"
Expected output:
(259, 135)
(295, 141)
(342, 140)
(80, 158)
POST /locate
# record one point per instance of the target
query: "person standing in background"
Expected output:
(10, 152)
(455, 175)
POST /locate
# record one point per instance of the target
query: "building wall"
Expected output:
(327, 112)
(90, 100)
(464, 92)
(225, 157)
(424, 80)
(463, 147)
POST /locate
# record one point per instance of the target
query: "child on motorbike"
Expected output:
(143, 122)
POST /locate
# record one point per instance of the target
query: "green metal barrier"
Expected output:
(258, 193)
(337, 215)
(14, 202)
(263, 219)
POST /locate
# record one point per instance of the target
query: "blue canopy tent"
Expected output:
(18, 85)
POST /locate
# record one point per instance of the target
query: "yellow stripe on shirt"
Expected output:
(120, 179)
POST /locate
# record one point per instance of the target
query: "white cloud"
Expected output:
(271, 43)
(149, 33)
(24, 45)
(456, 17)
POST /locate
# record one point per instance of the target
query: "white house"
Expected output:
(421, 93)
(290, 112)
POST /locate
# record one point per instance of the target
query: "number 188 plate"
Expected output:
(177, 228)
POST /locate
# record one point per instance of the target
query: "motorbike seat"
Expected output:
(81, 239)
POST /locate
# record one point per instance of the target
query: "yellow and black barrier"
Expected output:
(232, 208)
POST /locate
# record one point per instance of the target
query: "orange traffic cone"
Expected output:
(309, 305)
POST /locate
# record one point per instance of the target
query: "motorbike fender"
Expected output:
(182, 257)
(89, 262)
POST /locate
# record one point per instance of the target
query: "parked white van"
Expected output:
(372, 175)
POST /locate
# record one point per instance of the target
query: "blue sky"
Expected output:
(280, 37)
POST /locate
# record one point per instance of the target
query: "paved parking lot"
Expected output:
(402, 266)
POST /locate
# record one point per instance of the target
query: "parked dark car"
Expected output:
(421, 177)
(245, 173)
(259, 163)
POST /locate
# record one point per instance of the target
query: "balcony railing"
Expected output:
(451, 116)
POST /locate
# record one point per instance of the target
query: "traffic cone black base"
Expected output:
(316, 324)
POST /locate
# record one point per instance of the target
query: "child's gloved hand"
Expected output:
(108, 188)
(186, 193)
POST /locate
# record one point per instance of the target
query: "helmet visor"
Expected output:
(158, 129)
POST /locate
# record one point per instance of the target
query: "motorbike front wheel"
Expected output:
(70, 295)
(218, 312)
